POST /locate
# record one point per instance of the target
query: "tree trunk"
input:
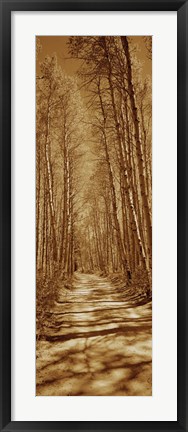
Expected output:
(138, 143)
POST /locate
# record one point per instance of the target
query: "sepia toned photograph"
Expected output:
(94, 215)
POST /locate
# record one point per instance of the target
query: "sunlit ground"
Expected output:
(96, 344)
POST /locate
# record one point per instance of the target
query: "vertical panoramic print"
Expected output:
(93, 215)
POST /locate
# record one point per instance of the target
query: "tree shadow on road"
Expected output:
(117, 363)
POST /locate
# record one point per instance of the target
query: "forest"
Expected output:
(93, 183)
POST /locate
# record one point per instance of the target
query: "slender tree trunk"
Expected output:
(138, 143)
(113, 195)
(49, 177)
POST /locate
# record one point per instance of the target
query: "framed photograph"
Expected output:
(93, 215)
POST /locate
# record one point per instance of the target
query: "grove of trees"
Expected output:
(94, 163)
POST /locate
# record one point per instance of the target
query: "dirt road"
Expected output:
(98, 342)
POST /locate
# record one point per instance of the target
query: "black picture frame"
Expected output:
(6, 7)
